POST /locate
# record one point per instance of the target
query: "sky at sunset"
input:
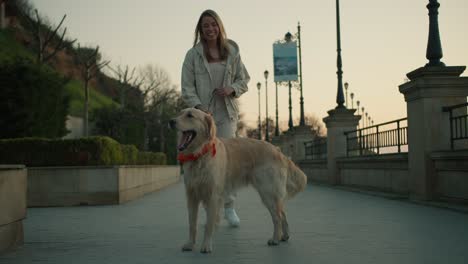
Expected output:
(381, 42)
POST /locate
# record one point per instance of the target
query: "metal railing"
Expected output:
(458, 122)
(384, 138)
(316, 149)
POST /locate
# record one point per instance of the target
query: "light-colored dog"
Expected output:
(214, 165)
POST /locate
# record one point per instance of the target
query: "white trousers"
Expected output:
(227, 129)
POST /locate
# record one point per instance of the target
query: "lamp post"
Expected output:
(277, 127)
(358, 110)
(362, 111)
(302, 120)
(339, 95)
(346, 90)
(267, 132)
(352, 102)
(259, 118)
(365, 120)
(287, 38)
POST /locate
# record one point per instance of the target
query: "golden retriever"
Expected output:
(213, 165)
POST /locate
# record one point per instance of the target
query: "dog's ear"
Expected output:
(211, 131)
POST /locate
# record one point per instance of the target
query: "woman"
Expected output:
(213, 77)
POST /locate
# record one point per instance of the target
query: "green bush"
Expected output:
(151, 158)
(126, 125)
(91, 151)
(130, 154)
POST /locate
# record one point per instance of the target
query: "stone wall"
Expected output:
(67, 186)
(451, 181)
(316, 170)
(12, 206)
(388, 173)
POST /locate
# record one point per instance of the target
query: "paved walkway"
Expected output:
(328, 225)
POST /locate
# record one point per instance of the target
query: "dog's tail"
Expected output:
(296, 181)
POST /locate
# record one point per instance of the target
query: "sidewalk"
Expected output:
(328, 225)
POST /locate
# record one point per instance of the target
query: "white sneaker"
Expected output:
(231, 216)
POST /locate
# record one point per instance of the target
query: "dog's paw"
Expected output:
(188, 246)
(205, 249)
(285, 238)
(273, 242)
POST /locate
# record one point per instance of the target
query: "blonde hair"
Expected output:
(222, 39)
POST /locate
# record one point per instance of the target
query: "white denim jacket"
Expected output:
(196, 79)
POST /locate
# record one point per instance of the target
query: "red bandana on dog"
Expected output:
(182, 158)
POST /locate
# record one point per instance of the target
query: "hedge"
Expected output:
(91, 151)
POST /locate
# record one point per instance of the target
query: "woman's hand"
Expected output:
(224, 91)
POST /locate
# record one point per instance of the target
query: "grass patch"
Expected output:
(75, 89)
(11, 49)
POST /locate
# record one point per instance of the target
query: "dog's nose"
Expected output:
(172, 123)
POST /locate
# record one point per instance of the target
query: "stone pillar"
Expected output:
(301, 134)
(429, 89)
(338, 121)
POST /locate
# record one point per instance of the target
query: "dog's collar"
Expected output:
(182, 158)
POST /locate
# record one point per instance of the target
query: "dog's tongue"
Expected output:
(184, 140)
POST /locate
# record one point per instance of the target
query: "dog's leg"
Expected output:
(192, 205)
(219, 210)
(212, 209)
(272, 205)
(285, 226)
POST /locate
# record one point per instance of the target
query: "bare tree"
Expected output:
(89, 60)
(127, 79)
(315, 123)
(242, 126)
(157, 92)
(47, 41)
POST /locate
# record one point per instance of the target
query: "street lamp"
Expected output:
(339, 95)
(346, 90)
(302, 119)
(277, 127)
(259, 118)
(287, 38)
(267, 133)
(352, 102)
(362, 109)
(358, 106)
(366, 119)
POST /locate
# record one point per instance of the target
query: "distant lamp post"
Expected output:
(362, 111)
(358, 110)
(259, 85)
(365, 120)
(277, 126)
(339, 95)
(302, 119)
(346, 91)
(287, 38)
(352, 102)
(267, 129)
